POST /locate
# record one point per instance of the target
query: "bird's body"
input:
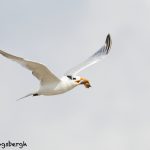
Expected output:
(60, 87)
(50, 84)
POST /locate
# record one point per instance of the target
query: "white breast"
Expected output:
(53, 89)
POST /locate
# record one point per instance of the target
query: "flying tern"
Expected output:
(50, 84)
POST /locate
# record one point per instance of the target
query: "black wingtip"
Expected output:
(108, 43)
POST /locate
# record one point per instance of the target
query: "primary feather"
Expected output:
(96, 57)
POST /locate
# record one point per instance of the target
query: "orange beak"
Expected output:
(84, 81)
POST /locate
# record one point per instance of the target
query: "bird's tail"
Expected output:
(31, 94)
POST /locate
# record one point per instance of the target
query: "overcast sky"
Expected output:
(112, 115)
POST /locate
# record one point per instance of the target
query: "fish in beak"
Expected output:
(85, 82)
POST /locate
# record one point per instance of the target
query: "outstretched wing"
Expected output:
(96, 57)
(40, 71)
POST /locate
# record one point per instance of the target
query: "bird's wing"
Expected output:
(96, 57)
(40, 71)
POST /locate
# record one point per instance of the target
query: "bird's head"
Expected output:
(80, 81)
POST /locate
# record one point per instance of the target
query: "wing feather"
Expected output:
(40, 71)
(96, 57)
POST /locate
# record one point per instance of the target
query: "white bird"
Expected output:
(50, 84)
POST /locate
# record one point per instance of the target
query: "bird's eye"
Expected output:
(74, 78)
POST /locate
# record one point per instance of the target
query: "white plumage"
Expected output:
(50, 84)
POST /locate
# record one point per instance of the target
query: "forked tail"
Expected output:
(31, 94)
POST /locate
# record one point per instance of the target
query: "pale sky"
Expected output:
(112, 115)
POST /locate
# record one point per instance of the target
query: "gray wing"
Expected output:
(40, 71)
(96, 57)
